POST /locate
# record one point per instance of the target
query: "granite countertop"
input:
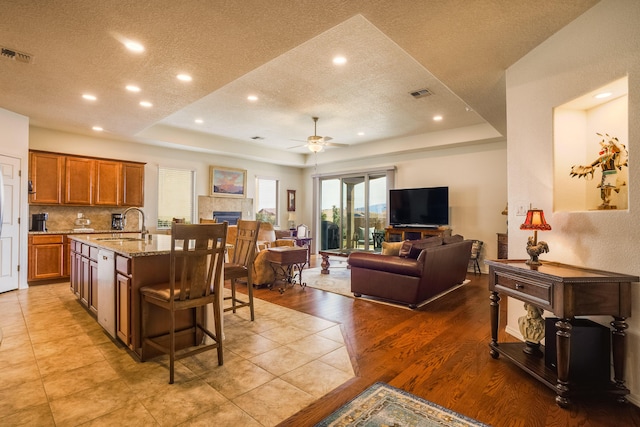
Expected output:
(160, 244)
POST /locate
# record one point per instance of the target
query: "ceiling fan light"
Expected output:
(316, 148)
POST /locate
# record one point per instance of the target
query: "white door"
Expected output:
(10, 231)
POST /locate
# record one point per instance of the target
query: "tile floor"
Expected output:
(58, 367)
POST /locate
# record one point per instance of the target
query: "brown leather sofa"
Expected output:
(426, 268)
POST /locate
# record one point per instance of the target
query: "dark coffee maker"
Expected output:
(39, 222)
(117, 221)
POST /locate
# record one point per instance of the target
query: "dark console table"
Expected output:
(567, 291)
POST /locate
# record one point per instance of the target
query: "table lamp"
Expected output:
(535, 221)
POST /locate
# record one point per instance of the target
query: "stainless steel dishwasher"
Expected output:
(107, 291)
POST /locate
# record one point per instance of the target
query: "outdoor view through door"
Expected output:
(353, 211)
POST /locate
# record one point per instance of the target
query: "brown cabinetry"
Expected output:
(394, 234)
(79, 176)
(132, 184)
(503, 246)
(84, 274)
(108, 183)
(46, 178)
(46, 257)
(123, 298)
(84, 181)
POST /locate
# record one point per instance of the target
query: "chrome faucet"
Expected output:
(143, 230)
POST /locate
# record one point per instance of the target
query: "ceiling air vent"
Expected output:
(421, 93)
(15, 55)
(257, 138)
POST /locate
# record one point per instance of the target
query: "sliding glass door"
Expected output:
(353, 210)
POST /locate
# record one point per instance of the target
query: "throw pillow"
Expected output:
(419, 245)
(391, 248)
(405, 248)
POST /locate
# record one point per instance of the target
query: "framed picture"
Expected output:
(227, 182)
(291, 200)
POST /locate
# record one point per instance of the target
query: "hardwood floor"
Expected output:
(440, 353)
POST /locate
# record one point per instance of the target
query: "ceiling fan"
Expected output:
(316, 143)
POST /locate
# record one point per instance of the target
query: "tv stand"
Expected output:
(399, 234)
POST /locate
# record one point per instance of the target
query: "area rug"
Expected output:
(384, 405)
(338, 281)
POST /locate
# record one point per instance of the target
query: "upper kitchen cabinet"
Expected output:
(108, 183)
(46, 175)
(79, 177)
(84, 181)
(132, 184)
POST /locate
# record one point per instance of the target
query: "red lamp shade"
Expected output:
(535, 221)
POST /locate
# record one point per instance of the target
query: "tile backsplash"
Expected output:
(62, 218)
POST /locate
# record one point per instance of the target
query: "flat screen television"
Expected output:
(419, 207)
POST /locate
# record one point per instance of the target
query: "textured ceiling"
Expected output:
(280, 51)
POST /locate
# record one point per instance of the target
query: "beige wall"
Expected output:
(475, 174)
(63, 142)
(597, 48)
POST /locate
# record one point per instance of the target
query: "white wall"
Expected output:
(14, 142)
(63, 142)
(475, 174)
(600, 46)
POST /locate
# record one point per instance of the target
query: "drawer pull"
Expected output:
(519, 286)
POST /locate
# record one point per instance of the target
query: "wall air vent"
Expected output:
(15, 55)
(421, 93)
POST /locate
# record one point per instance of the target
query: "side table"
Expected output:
(287, 263)
(567, 291)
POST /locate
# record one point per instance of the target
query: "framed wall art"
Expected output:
(227, 182)
(291, 200)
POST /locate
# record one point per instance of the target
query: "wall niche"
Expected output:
(585, 148)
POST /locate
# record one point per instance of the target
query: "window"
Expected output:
(267, 200)
(175, 195)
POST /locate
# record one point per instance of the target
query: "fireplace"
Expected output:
(231, 217)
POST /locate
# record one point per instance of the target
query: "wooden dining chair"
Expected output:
(208, 221)
(196, 266)
(241, 264)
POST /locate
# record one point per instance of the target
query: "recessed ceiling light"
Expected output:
(199, 121)
(184, 77)
(133, 88)
(603, 95)
(97, 128)
(134, 46)
(89, 97)
(360, 133)
(339, 60)
(437, 118)
(146, 104)
(252, 98)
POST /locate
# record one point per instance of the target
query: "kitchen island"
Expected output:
(131, 262)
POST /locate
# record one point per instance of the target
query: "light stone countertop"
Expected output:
(160, 244)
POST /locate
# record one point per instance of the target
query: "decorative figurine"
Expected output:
(532, 329)
(612, 157)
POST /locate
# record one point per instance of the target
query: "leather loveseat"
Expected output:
(422, 270)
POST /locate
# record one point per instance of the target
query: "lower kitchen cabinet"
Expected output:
(84, 274)
(46, 257)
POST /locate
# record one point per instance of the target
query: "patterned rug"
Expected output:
(384, 405)
(337, 281)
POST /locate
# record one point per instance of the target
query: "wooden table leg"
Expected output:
(325, 264)
(563, 347)
(495, 318)
(619, 349)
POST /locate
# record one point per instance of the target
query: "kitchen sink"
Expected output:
(119, 239)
